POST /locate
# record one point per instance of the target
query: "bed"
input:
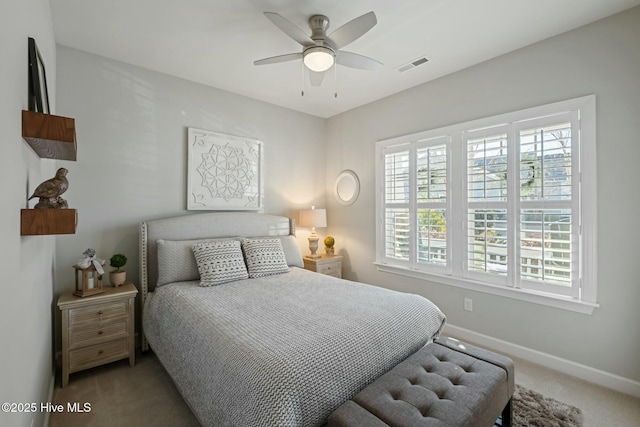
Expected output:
(275, 349)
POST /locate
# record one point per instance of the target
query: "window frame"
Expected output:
(584, 299)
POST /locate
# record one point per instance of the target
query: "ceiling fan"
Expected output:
(321, 51)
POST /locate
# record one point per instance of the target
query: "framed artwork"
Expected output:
(38, 93)
(224, 172)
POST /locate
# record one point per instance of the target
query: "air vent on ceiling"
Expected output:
(413, 64)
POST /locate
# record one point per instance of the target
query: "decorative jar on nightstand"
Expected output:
(97, 329)
(330, 265)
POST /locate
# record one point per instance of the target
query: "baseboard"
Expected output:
(587, 373)
(50, 399)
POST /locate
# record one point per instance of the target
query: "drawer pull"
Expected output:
(100, 351)
(100, 312)
(100, 332)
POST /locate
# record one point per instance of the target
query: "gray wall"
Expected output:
(602, 58)
(132, 152)
(27, 263)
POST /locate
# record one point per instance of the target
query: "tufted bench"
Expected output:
(446, 383)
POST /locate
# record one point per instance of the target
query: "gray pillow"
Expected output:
(220, 262)
(264, 257)
(176, 262)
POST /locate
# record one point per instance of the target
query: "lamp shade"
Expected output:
(319, 58)
(313, 218)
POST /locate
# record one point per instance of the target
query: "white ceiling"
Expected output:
(214, 42)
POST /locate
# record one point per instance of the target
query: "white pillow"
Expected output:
(220, 262)
(176, 262)
(264, 257)
(291, 251)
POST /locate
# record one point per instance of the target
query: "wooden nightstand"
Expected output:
(330, 265)
(97, 329)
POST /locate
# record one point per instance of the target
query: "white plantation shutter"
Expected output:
(397, 222)
(487, 239)
(547, 236)
(487, 165)
(397, 226)
(415, 203)
(431, 203)
(487, 231)
(506, 201)
(520, 204)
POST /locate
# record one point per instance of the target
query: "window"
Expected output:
(504, 205)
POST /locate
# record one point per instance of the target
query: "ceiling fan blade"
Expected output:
(354, 60)
(289, 28)
(279, 58)
(316, 78)
(353, 30)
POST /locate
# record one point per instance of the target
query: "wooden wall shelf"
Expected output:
(51, 137)
(48, 221)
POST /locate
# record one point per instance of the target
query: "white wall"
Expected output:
(26, 291)
(132, 150)
(602, 58)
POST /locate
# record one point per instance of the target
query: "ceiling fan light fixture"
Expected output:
(319, 58)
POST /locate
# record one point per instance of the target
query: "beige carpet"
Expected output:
(121, 396)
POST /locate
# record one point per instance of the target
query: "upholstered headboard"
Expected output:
(201, 226)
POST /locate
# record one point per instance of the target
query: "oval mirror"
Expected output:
(347, 187)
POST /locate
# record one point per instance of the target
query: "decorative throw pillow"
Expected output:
(220, 262)
(176, 262)
(291, 249)
(264, 257)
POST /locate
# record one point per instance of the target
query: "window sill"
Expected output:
(556, 301)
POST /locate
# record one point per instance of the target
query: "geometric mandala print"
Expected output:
(264, 257)
(226, 172)
(220, 262)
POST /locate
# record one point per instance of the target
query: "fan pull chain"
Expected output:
(302, 69)
(335, 79)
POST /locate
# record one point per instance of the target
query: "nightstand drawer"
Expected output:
(330, 265)
(97, 329)
(97, 314)
(87, 336)
(330, 269)
(98, 354)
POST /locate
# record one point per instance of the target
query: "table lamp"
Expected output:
(313, 218)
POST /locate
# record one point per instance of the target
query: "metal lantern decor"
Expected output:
(89, 273)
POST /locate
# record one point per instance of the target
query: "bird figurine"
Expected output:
(50, 190)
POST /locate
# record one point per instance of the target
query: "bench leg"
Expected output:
(507, 414)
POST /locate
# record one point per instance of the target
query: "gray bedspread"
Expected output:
(282, 350)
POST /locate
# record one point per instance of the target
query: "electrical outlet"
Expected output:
(468, 304)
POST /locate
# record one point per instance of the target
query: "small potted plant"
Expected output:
(117, 276)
